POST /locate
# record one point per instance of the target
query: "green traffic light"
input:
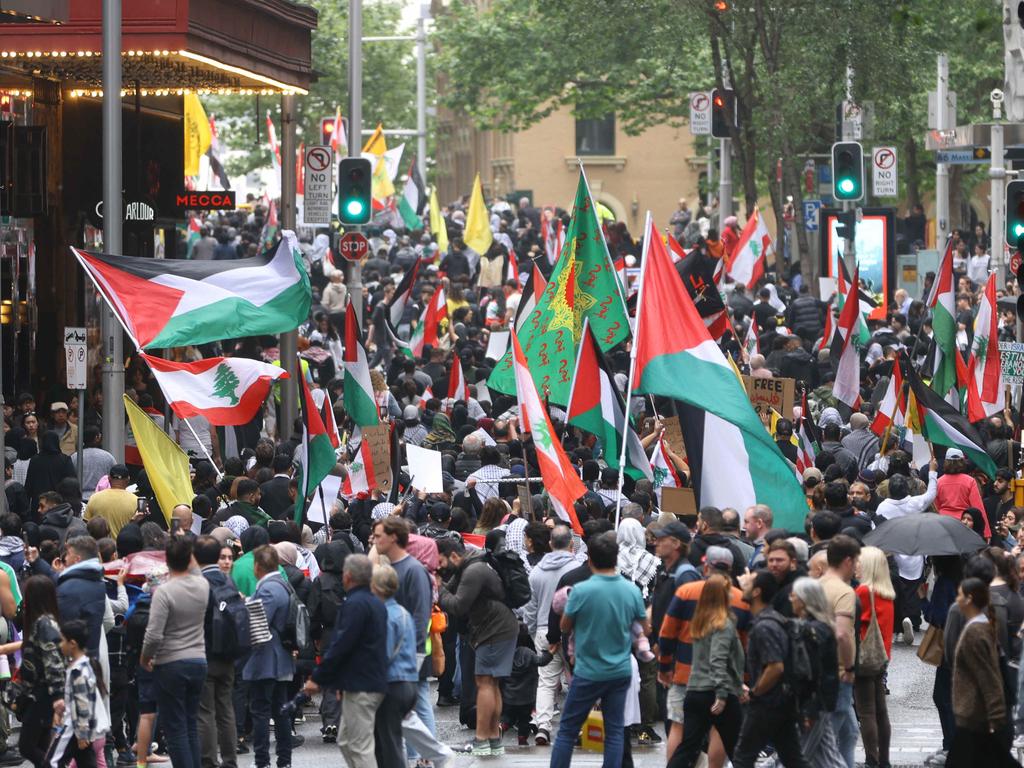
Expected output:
(847, 186)
(354, 208)
(1018, 229)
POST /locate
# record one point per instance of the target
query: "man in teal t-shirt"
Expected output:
(599, 613)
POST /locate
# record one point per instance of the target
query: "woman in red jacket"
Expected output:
(957, 490)
(869, 687)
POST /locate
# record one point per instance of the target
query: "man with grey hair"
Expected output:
(861, 442)
(757, 521)
(731, 528)
(468, 461)
(356, 662)
(543, 584)
(634, 511)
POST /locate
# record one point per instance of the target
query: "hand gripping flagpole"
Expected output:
(202, 447)
(632, 364)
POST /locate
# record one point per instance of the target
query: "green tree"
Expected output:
(225, 383)
(389, 85)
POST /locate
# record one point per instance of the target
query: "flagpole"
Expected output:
(202, 447)
(632, 366)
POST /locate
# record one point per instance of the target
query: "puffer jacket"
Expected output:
(475, 593)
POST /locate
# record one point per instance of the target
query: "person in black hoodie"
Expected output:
(837, 499)
(47, 468)
(58, 521)
(709, 534)
(325, 598)
(519, 692)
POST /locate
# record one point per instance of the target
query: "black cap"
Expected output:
(440, 512)
(118, 472)
(673, 528)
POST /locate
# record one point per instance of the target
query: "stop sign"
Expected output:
(353, 246)
(1015, 262)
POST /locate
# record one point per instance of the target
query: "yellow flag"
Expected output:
(477, 234)
(166, 464)
(197, 134)
(376, 145)
(437, 225)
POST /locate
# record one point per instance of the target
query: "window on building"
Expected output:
(596, 136)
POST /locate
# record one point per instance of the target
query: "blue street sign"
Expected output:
(959, 157)
(811, 210)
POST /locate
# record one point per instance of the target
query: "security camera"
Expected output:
(996, 97)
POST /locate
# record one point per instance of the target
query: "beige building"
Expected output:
(629, 174)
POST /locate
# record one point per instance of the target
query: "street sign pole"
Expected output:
(355, 125)
(289, 344)
(997, 229)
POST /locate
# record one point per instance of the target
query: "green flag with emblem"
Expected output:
(583, 285)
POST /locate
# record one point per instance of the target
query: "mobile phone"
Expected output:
(140, 506)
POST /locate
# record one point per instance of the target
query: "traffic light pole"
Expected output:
(289, 350)
(355, 127)
(997, 228)
(724, 182)
(941, 169)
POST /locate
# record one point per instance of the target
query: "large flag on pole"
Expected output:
(175, 303)
(583, 285)
(360, 404)
(437, 225)
(425, 332)
(316, 456)
(533, 291)
(376, 150)
(458, 388)
(197, 133)
(166, 464)
(891, 408)
(739, 462)
(942, 303)
(748, 260)
(477, 234)
(846, 387)
(663, 471)
(986, 394)
(596, 406)
(226, 391)
(413, 199)
(560, 479)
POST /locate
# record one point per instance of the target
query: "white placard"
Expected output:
(318, 163)
(425, 469)
(497, 344)
(885, 180)
(320, 511)
(482, 434)
(826, 288)
(75, 356)
(700, 113)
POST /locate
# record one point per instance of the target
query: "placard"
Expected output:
(766, 394)
(425, 469)
(497, 343)
(320, 509)
(379, 440)
(75, 357)
(1011, 359)
(678, 501)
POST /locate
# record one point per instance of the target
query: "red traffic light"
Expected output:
(326, 129)
(721, 5)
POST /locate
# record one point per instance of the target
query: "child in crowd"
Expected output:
(85, 717)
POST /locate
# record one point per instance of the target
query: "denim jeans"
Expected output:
(582, 695)
(266, 697)
(179, 690)
(844, 723)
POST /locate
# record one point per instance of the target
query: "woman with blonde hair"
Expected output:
(877, 619)
(716, 676)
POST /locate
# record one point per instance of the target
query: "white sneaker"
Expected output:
(908, 631)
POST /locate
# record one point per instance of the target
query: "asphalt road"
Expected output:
(915, 729)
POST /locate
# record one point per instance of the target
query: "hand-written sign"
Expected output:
(766, 394)
(379, 439)
(1011, 358)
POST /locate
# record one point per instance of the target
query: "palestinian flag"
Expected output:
(399, 301)
(323, 402)
(360, 403)
(751, 343)
(413, 199)
(166, 303)
(195, 233)
(942, 302)
(316, 456)
(552, 235)
(750, 256)
(560, 479)
(360, 479)
(846, 387)
(807, 437)
(532, 292)
(458, 389)
(663, 471)
(942, 424)
(226, 391)
(986, 394)
(425, 333)
(828, 334)
(596, 406)
(737, 461)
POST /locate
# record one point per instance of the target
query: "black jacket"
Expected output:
(702, 541)
(47, 468)
(521, 687)
(851, 518)
(274, 498)
(805, 314)
(81, 594)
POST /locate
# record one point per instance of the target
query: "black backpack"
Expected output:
(296, 635)
(811, 675)
(514, 577)
(229, 622)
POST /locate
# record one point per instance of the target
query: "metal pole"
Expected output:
(941, 169)
(724, 182)
(3, 496)
(355, 126)
(80, 446)
(421, 90)
(997, 228)
(290, 340)
(113, 211)
(711, 177)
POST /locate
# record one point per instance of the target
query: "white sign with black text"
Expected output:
(885, 180)
(318, 163)
(75, 356)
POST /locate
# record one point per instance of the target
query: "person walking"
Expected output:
(876, 595)
(174, 650)
(85, 719)
(42, 669)
(356, 663)
(599, 612)
(716, 682)
(771, 714)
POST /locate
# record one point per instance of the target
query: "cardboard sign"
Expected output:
(674, 435)
(378, 438)
(679, 501)
(766, 394)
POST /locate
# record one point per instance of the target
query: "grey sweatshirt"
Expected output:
(175, 629)
(718, 663)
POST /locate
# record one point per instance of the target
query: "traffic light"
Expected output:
(354, 190)
(847, 170)
(326, 130)
(846, 224)
(1015, 213)
(720, 100)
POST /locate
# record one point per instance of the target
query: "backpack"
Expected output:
(229, 622)
(811, 674)
(296, 635)
(513, 575)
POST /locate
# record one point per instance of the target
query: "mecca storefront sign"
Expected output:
(205, 201)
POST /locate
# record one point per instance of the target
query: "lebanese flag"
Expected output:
(846, 387)
(751, 343)
(560, 479)
(433, 313)
(892, 407)
(275, 149)
(513, 268)
(665, 475)
(360, 479)
(339, 141)
(360, 403)
(165, 303)
(458, 389)
(226, 391)
(751, 253)
(986, 394)
(532, 292)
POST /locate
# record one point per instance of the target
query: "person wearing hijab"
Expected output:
(635, 562)
(515, 540)
(288, 555)
(47, 468)
(441, 436)
(974, 520)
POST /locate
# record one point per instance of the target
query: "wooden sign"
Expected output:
(679, 501)
(766, 394)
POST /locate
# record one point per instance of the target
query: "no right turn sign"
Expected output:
(885, 180)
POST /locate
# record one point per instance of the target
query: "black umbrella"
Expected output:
(926, 533)
(1007, 302)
